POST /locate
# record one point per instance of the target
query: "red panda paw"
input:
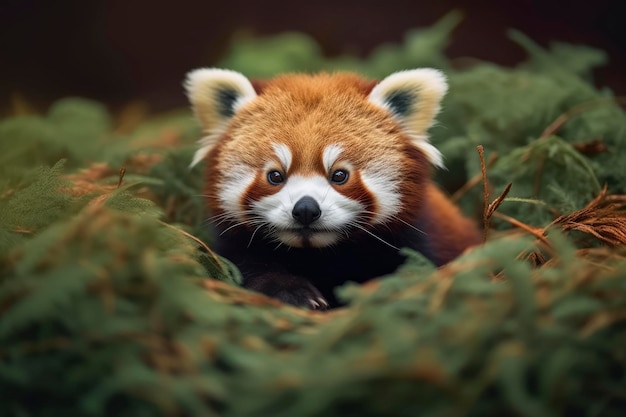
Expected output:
(303, 297)
(289, 289)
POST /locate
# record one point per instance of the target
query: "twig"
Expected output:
(199, 242)
(121, 177)
(483, 170)
(597, 146)
(602, 218)
(576, 110)
(489, 208)
(538, 233)
(22, 230)
(474, 181)
(496, 203)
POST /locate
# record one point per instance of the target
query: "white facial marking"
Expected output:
(330, 155)
(237, 179)
(384, 186)
(338, 211)
(432, 153)
(284, 155)
(206, 143)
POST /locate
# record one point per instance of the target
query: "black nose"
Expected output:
(306, 211)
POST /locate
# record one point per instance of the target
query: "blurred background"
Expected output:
(118, 51)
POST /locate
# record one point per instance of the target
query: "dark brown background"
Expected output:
(118, 50)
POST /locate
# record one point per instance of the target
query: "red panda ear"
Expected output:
(215, 96)
(413, 98)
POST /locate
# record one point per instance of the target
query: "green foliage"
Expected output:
(106, 306)
(108, 282)
(34, 206)
(547, 169)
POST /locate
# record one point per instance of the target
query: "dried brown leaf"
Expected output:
(603, 218)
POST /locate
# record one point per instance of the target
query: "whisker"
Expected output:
(253, 234)
(411, 226)
(232, 227)
(250, 222)
(358, 226)
(325, 195)
(401, 221)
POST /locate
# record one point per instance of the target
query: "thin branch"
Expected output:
(474, 181)
(483, 171)
(536, 232)
(577, 110)
(496, 203)
(199, 242)
(121, 177)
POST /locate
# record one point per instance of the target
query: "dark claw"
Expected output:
(318, 303)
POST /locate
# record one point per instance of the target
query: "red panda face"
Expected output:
(308, 161)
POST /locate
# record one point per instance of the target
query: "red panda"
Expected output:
(316, 180)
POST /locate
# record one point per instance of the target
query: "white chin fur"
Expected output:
(320, 239)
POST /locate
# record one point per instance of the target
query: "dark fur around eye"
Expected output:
(275, 177)
(339, 177)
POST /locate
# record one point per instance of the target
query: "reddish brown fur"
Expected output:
(451, 233)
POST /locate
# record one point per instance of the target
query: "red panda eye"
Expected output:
(339, 177)
(275, 177)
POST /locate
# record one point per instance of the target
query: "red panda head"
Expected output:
(309, 160)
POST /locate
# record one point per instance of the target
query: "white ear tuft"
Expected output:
(216, 95)
(413, 98)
